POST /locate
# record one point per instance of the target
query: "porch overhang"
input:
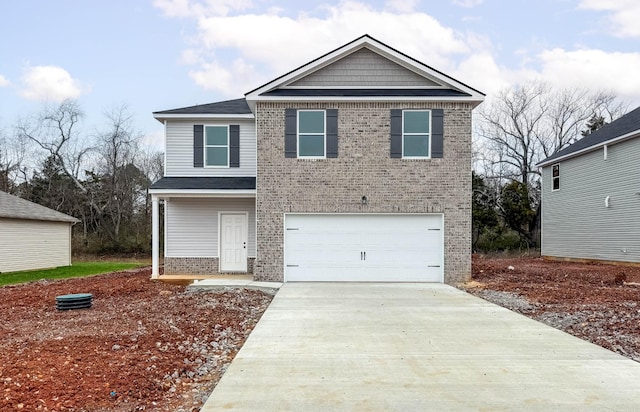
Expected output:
(183, 187)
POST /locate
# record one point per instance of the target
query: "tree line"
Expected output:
(103, 177)
(515, 130)
(100, 177)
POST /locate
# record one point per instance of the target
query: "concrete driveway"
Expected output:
(415, 347)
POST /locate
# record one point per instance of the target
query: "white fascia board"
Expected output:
(228, 193)
(186, 116)
(618, 139)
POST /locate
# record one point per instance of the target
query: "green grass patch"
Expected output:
(78, 269)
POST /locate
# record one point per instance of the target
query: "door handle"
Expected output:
(365, 255)
(244, 245)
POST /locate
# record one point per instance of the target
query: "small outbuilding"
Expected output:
(32, 236)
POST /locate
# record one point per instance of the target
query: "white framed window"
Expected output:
(416, 134)
(555, 177)
(312, 134)
(216, 146)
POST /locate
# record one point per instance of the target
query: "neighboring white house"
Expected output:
(32, 236)
(591, 195)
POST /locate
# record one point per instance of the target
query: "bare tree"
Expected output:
(56, 130)
(526, 123)
(523, 125)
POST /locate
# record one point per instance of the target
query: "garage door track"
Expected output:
(415, 347)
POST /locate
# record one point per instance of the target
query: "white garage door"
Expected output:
(363, 247)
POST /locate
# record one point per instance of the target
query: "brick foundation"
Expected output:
(197, 266)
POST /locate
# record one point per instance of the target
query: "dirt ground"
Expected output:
(143, 345)
(152, 346)
(596, 302)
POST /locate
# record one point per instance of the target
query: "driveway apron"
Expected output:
(415, 347)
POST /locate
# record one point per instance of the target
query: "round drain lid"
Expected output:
(74, 301)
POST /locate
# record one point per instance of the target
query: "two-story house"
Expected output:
(353, 167)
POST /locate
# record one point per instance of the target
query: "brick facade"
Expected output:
(197, 266)
(363, 168)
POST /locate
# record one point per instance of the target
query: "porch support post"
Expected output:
(155, 237)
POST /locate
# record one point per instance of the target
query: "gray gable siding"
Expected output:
(364, 68)
(575, 221)
(179, 149)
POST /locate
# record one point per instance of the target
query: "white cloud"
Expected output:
(595, 69)
(624, 15)
(403, 6)
(189, 8)
(3, 81)
(467, 3)
(50, 83)
(287, 42)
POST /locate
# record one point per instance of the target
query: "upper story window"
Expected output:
(311, 133)
(416, 133)
(555, 176)
(216, 146)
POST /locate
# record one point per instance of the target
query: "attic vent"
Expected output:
(74, 301)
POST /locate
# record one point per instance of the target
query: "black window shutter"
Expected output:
(437, 132)
(198, 145)
(332, 133)
(290, 133)
(234, 145)
(396, 133)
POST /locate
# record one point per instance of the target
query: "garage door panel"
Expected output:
(363, 247)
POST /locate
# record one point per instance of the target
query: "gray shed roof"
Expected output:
(206, 183)
(236, 106)
(627, 124)
(16, 208)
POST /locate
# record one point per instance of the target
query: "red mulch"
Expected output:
(144, 345)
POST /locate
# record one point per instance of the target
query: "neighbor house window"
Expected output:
(416, 133)
(216, 146)
(555, 172)
(311, 133)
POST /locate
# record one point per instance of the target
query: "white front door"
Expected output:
(233, 242)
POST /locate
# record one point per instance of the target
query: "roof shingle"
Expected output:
(628, 123)
(236, 106)
(16, 208)
(206, 183)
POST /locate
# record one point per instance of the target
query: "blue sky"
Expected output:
(162, 54)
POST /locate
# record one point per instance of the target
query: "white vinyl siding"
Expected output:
(179, 150)
(33, 244)
(192, 225)
(576, 221)
(364, 68)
